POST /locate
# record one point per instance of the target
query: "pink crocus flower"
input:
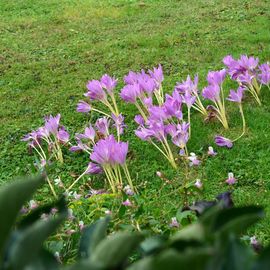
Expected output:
(231, 180)
(211, 151)
(127, 202)
(198, 184)
(174, 223)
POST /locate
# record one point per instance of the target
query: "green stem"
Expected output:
(76, 181)
(51, 187)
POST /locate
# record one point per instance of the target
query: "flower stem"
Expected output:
(51, 187)
(75, 182)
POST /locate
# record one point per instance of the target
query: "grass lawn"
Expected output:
(49, 49)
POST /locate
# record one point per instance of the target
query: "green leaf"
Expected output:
(192, 232)
(45, 209)
(44, 261)
(84, 265)
(263, 260)
(12, 198)
(113, 251)
(232, 255)
(152, 245)
(194, 259)
(237, 220)
(91, 237)
(30, 241)
(143, 264)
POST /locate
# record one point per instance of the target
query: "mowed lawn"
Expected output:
(49, 49)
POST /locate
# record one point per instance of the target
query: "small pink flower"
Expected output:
(33, 205)
(108, 212)
(127, 202)
(70, 232)
(198, 184)
(127, 189)
(24, 210)
(193, 160)
(76, 195)
(211, 151)
(159, 174)
(81, 225)
(44, 216)
(253, 240)
(174, 223)
(231, 180)
(70, 214)
(54, 211)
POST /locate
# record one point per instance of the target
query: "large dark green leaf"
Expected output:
(237, 220)
(192, 259)
(91, 237)
(84, 265)
(232, 255)
(152, 245)
(44, 261)
(29, 242)
(45, 209)
(113, 251)
(146, 263)
(263, 260)
(190, 236)
(12, 198)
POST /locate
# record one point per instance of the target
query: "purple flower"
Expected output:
(211, 92)
(157, 113)
(119, 122)
(148, 102)
(102, 125)
(216, 77)
(173, 105)
(231, 180)
(198, 184)
(174, 223)
(264, 76)
(236, 96)
(130, 93)
(193, 160)
(147, 84)
(127, 202)
(131, 78)
(188, 99)
(248, 63)
(109, 151)
(139, 119)
(95, 91)
(144, 133)
(222, 141)
(211, 151)
(180, 135)
(157, 74)
(188, 86)
(109, 83)
(52, 123)
(245, 78)
(93, 168)
(89, 133)
(63, 135)
(83, 107)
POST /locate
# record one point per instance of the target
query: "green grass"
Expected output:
(49, 49)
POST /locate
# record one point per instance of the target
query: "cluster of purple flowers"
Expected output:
(53, 135)
(161, 119)
(248, 73)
